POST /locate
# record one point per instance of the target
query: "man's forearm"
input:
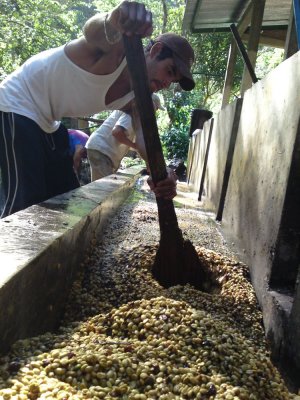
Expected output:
(99, 33)
(105, 30)
(119, 134)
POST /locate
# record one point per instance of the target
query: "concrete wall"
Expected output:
(197, 151)
(41, 249)
(252, 183)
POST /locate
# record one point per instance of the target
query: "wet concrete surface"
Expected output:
(41, 248)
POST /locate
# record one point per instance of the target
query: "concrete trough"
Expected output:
(41, 249)
(252, 185)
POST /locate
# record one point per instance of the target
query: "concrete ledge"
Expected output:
(278, 308)
(282, 335)
(41, 249)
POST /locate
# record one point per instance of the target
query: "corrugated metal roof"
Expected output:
(217, 15)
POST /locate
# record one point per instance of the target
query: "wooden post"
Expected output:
(227, 170)
(205, 160)
(229, 73)
(242, 26)
(256, 24)
(83, 124)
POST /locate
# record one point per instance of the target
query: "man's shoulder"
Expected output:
(124, 119)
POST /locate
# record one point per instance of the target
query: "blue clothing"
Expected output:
(76, 137)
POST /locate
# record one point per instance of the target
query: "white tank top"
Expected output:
(50, 86)
(103, 140)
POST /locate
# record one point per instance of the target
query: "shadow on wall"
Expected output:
(261, 202)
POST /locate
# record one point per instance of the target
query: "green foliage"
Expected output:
(179, 108)
(267, 59)
(210, 66)
(175, 138)
(175, 143)
(31, 26)
(128, 162)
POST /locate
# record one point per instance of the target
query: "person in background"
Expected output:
(107, 145)
(83, 77)
(77, 141)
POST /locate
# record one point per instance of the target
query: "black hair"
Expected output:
(164, 53)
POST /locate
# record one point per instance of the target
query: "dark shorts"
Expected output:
(34, 165)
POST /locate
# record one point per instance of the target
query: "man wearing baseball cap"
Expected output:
(182, 54)
(83, 77)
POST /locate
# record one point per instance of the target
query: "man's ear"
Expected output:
(156, 49)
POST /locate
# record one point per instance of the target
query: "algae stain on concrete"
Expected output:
(134, 197)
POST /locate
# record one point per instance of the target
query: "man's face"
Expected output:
(161, 73)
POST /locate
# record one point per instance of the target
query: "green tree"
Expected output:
(267, 59)
(31, 26)
(210, 66)
(175, 138)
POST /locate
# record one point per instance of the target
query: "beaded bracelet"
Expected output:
(113, 39)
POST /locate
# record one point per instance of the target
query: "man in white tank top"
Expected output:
(86, 76)
(108, 144)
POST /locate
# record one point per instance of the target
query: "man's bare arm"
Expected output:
(119, 132)
(105, 30)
